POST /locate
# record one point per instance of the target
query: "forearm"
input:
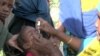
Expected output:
(75, 42)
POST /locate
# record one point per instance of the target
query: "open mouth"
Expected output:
(3, 15)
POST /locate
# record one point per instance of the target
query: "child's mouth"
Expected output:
(3, 16)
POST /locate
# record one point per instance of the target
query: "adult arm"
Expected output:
(74, 42)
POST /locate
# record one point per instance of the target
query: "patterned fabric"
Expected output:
(88, 5)
(79, 19)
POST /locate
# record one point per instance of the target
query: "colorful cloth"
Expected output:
(92, 49)
(78, 20)
(79, 17)
(88, 5)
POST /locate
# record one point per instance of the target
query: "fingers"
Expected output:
(13, 43)
(41, 21)
(15, 46)
(44, 26)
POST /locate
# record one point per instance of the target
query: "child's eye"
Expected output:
(3, 3)
(10, 6)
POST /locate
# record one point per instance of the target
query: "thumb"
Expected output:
(14, 44)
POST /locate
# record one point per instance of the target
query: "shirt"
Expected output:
(31, 9)
(78, 18)
(4, 35)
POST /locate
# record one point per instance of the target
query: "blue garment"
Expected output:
(31, 9)
(78, 23)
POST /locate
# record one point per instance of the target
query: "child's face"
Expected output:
(5, 8)
(28, 35)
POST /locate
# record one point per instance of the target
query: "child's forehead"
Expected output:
(28, 29)
(31, 28)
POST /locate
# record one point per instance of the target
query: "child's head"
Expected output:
(5, 8)
(26, 35)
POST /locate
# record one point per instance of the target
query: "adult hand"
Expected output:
(45, 46)
(45, 26)
(13, 43)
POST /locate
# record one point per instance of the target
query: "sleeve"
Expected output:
(63, 10)
(43, 11)
(43, 8)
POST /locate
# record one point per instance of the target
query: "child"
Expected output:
(5, 9)
(28, 38)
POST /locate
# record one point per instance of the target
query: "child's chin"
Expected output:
(3, 17)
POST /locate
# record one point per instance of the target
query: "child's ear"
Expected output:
(26, 46)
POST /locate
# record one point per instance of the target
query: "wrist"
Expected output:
(56, 32)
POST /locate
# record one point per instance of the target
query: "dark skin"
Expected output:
(34, 42)
(26, 40)
(53, 39)
(75, 43)
(5, 10)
